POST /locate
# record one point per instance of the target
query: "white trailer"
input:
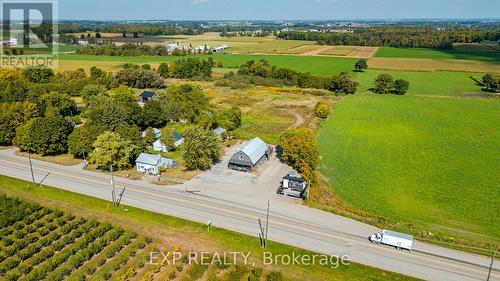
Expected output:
(393, 238)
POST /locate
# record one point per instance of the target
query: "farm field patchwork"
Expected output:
(316, 65)
(430, 162)
(389, 52)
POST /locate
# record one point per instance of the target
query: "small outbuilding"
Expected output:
(293, 184)
(156, 131)
(219, 131)
(145, 96)
(252, 154)
(151, 164)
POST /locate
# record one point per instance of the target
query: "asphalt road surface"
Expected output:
(295, 225)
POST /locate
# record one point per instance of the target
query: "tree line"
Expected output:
(399, 36)
(107, 128)
(149, 29)
(263, 73)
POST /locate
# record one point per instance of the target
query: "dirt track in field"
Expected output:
(363, 52)
(317, 51)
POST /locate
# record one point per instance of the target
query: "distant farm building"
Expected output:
(252, 154)
(220, 48)
(157, 133)
(151, 164)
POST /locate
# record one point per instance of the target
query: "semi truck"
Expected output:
(392, 238)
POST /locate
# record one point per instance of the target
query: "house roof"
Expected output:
(294, 176)
(177, 136)
(156, 131)
(219, 130)
(155, 160)
(147, 94)
(255, 149)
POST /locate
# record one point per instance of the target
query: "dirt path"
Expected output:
(299, 120)
(317, 51)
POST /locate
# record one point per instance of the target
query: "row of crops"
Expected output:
(39, 243)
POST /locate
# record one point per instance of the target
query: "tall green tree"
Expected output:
(46, 135)
(361, 65)
(56, 104)
(298, 149)
(201, 148)
(163, 70)
(229, 119)
(112, 149)
(401, 86)
(383, 84)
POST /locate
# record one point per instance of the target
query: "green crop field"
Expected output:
(430, 162)
(421, 53)
(315, 65)
(439, 83)
(40, 243)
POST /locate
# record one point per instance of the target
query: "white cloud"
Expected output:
(199, 1)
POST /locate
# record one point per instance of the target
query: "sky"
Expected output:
(275, 9)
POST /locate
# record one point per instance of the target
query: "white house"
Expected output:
(158, 145)
(151, 164)
(178, 138)
(293, 184)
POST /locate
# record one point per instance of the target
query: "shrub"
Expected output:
(274, 276)
(322, 110)
(107, 276)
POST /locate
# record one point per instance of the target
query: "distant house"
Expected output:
(158, 145)
(156, 131)
(293, 185)
(151, 164)
(83, 42)
(219, 131)
(145, 96)
(178, 138)
(251, 155)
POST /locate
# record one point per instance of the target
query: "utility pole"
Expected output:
(112, 186)
(31, 168)
(267, 223)
(491, 264)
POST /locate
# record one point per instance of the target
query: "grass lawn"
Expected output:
(62, 159)
(430, 162)
(389, 52)
(439, 83)
(172, 231)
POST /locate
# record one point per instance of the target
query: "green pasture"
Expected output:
(316, 65)
(430, 162)
(439, 83)
(421, 53)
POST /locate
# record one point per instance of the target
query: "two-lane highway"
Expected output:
(292, 224)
